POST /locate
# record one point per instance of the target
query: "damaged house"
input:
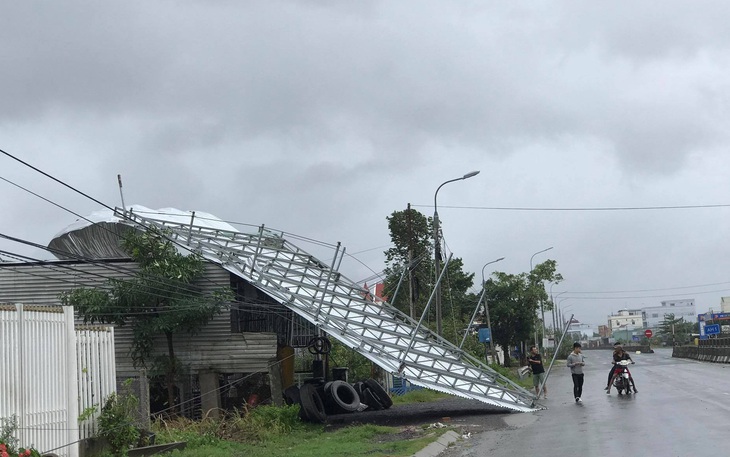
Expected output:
(242, 354)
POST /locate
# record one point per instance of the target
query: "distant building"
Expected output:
(626, 319)
(578, 329)
(725, 305)
(604, 331)
(654, 315)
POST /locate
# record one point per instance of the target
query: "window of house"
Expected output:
(254, 311)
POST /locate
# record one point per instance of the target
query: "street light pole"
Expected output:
(565, 323)
(542, 310)
(437, 250)
(538, 252)
(553, 300)
(486, 310)
(553, 313)
(476, 308)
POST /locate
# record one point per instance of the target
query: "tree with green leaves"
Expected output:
(514, 302)
(457, 303)
(160, 299)
(674, 330)
(411, 233)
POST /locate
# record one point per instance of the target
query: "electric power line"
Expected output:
(607, 208)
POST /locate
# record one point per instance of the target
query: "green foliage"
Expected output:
(514, 302)
(410, 231)
(206, 432)
(117, 424)
(262, 423)
(8, 442)
(160, 299)
(248, 426)
(358, 366)
(270, 430)
(676, 330)
(419, 396)
(309, 440)
(566, 347)
(87, 413)
(8, 427)
(456, 303)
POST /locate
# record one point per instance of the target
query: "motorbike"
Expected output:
(621, 377)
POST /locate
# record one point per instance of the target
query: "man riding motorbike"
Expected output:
(618, 355)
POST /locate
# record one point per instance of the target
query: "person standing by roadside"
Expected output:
(576, 362)
(538, 371)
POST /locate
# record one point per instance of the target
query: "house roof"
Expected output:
(97, 235)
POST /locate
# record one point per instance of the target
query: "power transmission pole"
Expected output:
(410, 263)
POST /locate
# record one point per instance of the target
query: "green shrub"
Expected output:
(8, 442)
(195, 433)
(116, 422)
(260, 423)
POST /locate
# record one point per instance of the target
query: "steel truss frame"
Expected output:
(343, 310)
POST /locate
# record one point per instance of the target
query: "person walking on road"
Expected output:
(538, 371)
(576, 362)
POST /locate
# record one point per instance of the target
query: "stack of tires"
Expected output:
(317, 398)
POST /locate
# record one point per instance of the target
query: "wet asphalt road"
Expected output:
(682, 409)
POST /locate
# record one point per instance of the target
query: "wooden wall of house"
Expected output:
(41, 283)
(215, 348)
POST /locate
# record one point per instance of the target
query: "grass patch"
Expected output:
(511, 373)
(419, 396)
(309, 440)
(271, 431)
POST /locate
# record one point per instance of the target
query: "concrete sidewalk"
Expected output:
(438, 446)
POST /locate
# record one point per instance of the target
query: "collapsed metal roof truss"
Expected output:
(340, 307)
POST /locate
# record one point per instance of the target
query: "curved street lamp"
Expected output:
(486, 306)
(437, 249)
(555, 308)
(542, 310)
(538, 252)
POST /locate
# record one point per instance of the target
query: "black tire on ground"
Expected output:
(312, 404)
(371, 400)
(380, 393)
(344, 396)
(358, 388)
(303, 414)
(291, 395)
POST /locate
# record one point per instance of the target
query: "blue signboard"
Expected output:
(634, 337)
(713, 329)
(485, 335)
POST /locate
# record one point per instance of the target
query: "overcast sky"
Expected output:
(321, 118)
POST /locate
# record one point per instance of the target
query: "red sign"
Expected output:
(648, 333)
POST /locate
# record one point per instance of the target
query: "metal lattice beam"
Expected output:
(323, 296)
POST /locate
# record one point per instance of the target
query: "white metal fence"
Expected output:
(97, 374)
(48, 372)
